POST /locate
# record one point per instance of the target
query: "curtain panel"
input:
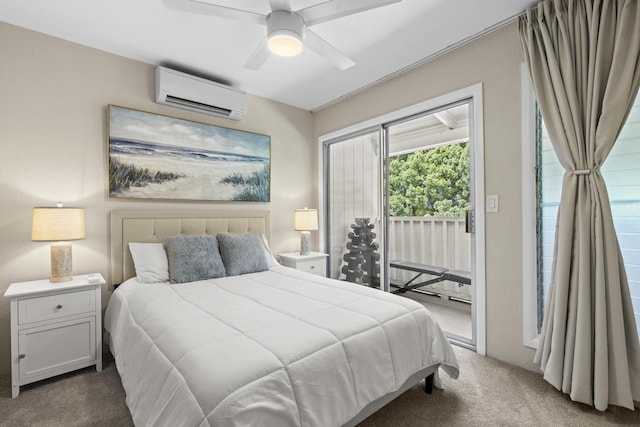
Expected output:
(583, 57)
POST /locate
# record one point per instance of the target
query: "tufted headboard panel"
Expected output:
(153, 226)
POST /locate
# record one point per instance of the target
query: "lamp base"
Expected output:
(305, 242)
(61, 263)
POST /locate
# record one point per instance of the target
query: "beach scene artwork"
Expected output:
(152, 156)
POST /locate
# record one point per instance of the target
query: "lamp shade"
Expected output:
(305, 219)
(57, 224)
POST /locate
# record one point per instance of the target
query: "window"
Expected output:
(549, 175)
(621, 172)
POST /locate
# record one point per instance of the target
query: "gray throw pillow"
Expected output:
(193, 258)
(242, 253)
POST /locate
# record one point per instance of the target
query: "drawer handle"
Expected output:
(21, 356)
(59, 306)
(313, 266)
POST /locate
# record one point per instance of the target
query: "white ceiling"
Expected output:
(381, 41)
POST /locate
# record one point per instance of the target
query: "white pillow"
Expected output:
(271, 259)
(150, 262)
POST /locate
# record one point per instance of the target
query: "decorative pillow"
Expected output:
(242, 253)
(271, 259)
(193, 258)
(150, 262)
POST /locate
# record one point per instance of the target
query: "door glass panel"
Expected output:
(429, 195)
(353, 200)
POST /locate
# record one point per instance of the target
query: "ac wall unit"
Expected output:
(197, 94)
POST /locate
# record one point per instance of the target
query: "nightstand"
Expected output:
(315, 262)
(55, 328)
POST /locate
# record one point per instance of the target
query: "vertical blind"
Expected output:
(621, 172)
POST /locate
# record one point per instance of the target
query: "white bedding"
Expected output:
(276, 348)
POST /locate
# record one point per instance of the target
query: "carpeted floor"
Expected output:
(488, 393)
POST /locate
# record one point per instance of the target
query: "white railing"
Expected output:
(437, 241)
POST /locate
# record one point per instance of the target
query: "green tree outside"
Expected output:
(433, 182)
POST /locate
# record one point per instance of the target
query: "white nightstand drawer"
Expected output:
(56, 306)
(314, 262)
(315, 266)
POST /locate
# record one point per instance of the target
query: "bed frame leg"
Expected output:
(428, 384)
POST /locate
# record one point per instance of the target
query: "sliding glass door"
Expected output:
(408, 206)
(429, 199)
(354, 207)
(402, 208)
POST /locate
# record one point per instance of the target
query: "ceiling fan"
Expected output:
(287, 30)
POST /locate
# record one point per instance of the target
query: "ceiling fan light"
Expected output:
(284, 43)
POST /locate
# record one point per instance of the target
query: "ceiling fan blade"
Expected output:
(202, 8)
(280, 5)
(338, 8)
(326, 50)
(259, 56)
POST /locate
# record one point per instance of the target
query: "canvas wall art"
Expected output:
(153, 156)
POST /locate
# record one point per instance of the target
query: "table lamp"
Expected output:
(58, 225)
(305, 220)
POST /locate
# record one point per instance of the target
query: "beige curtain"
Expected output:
(583, 57)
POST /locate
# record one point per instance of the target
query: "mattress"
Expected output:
(275, 348)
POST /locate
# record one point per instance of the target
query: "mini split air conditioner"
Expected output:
(197, 94)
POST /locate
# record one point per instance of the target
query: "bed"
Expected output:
(274, 347)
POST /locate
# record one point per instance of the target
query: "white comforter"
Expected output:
(277, 348)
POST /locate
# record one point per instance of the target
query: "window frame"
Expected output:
(529, 213)
(472, 93)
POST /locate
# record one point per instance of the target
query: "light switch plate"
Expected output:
(492, 203)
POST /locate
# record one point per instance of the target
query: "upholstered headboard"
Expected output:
(153, 226)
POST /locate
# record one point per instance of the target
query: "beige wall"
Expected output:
(53, 148)
(495, 61)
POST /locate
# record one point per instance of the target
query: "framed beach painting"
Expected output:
(152, 156)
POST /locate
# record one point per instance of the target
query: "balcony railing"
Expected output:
(437, 241)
